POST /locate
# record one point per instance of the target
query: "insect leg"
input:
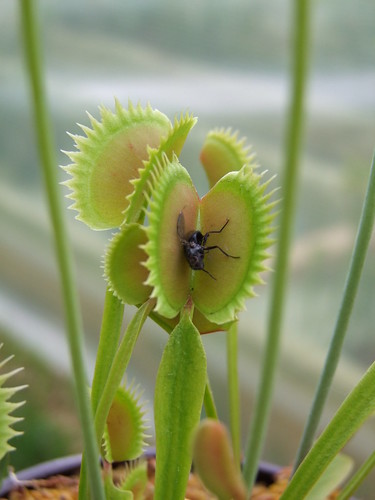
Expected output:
(219, 230)
(205, 270)
(207, 249)
(213, 232)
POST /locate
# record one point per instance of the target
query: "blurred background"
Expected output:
(227, 63)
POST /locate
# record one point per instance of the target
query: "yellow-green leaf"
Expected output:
(179, 391)
(238, 212)
(125, 428)
(169, 271)
(239, 198)
(123, 265)
(107, 160)
(169, 146)
(223, 152)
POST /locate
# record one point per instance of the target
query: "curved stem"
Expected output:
(63, 250)
(108, 342)
(365, 228)
(119, 365)
(293, 146)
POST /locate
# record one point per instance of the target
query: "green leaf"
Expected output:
(333, 476)
(223, 152)
(7, 408)
(169, 271)
(110, 332)
(125, 429)
(238, 205)
(123, 265)
(179, 392)
(136, 480)
(357, 407)
(215, 463)
(4, 468)
(169, 146)
(125, 271)
(108, 159)
(239, 198)
(119, 366)
(112, 492)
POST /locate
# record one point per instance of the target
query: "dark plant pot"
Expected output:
(67, 466)
(70, 465)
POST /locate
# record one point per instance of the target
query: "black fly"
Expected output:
(194, 245)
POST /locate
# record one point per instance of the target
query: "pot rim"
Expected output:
(63, 465)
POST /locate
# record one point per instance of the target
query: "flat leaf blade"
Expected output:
(334, 475)
(357, 407)
(179, 392)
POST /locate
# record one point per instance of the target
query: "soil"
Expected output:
(66, 487)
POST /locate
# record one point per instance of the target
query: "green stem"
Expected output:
(209, 402)
(365, 228)
(119, 365)
(109, 338)
(293, 146)
(116, 368)
(63, 250)
(108, 342)
(234, 392)
(357, 478)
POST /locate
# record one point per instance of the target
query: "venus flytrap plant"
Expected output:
(125, 428)
(136, 481)
(112, 491)
(123, 440)
(151, 265)
(237, 198)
